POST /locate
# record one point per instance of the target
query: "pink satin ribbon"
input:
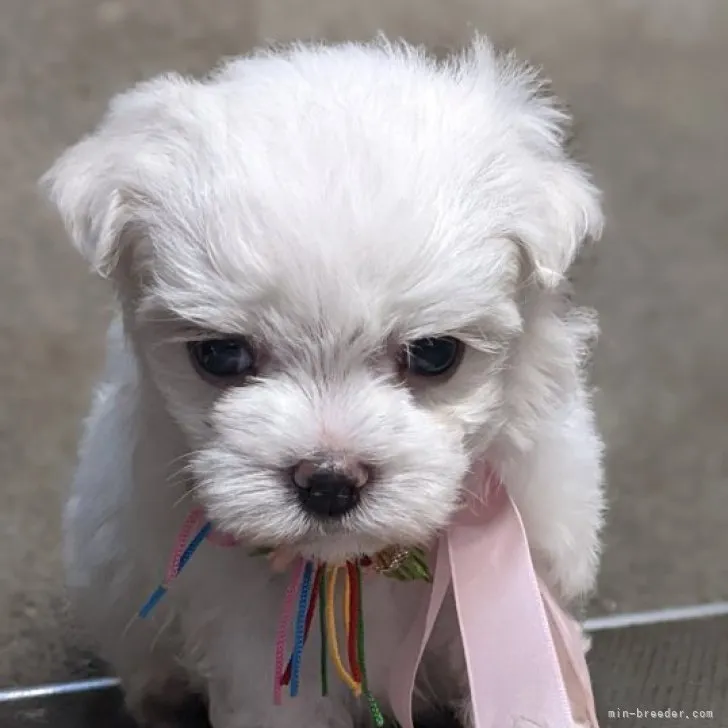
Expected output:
(524, 654)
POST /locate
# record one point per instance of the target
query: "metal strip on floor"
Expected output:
(661, 669)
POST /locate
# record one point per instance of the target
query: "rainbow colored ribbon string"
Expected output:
(316, 584)
(310, 585)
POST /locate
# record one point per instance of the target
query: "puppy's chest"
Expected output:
(391, 610)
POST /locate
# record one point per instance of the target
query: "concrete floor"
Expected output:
(648, 83)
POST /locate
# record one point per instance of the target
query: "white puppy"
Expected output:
(340, 275)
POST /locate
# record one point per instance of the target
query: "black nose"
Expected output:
(325, 491)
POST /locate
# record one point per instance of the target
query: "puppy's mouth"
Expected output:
(332, 540)
(316, 538)
(341, 550)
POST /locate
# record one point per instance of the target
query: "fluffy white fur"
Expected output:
(332, 204)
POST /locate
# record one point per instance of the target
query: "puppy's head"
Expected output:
(325, 258)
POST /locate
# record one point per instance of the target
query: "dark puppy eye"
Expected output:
(223, 359)
(433, 357)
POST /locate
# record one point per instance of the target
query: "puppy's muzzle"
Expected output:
(329, 488)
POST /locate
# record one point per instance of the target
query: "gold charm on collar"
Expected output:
(404, 564)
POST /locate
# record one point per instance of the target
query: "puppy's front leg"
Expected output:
(231, 642)
(230, 709)
(557, 487)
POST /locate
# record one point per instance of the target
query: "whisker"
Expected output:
(174, 474)
(183, 456)
(130, 624)
(187, 494)
(171, 478)
(164, 626)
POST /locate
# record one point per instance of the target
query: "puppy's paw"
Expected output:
(231, 709)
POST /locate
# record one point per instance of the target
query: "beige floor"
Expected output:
(647, 80)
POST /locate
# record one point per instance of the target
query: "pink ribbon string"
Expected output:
(194, 518)
(191, 522)
(569, 643)
(284, 626)
(523, 653)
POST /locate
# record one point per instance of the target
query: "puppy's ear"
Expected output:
(570, 214)
(100, 183)
(85, 187)
(563, 208)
